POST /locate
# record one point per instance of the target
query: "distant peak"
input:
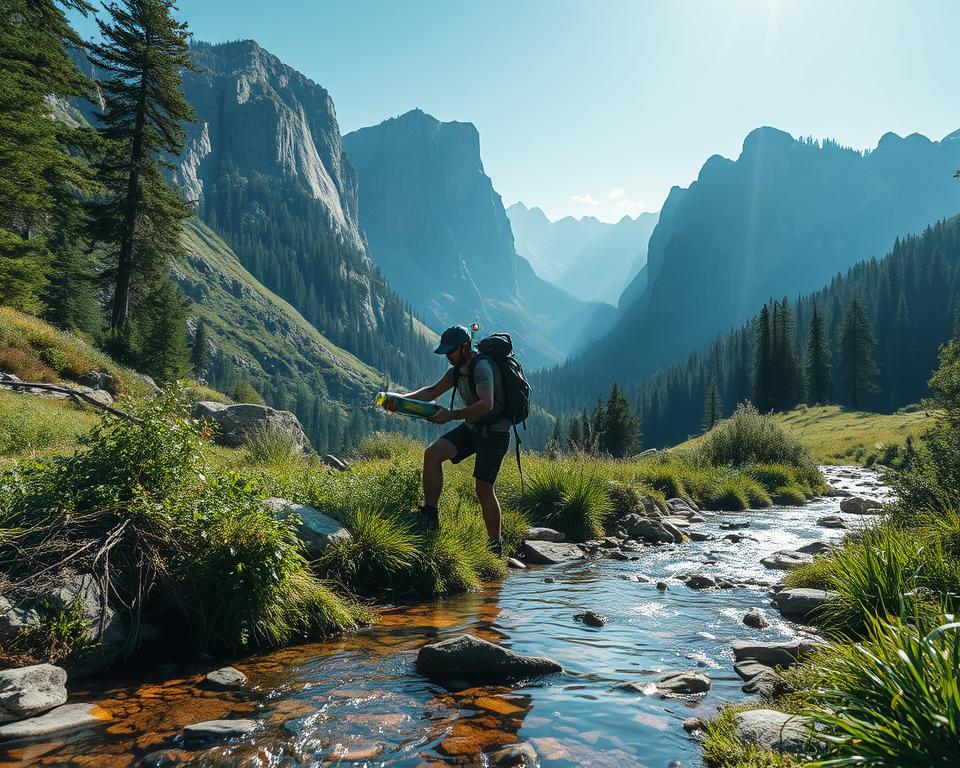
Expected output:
(951, 136)
(765, 137)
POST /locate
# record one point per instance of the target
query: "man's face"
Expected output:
(457, 357)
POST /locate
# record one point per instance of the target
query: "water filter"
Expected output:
(396, 403)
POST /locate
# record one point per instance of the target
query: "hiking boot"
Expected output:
(496, 546)
(431, 517)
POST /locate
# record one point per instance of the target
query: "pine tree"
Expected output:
(598, 424)
(244, 392)
(762, 373)
(557, 436)
(585, 428)
(575, 434)
(71, 298)
(817, 362)
(144, 50)
(856, 352)
(621, 435)
(160, 348)
(712, 407)
(37, 168)
(200, 353)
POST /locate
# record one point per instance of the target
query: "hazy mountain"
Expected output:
(437, 229)
(587, 257)
(265, 163)
(781, 219)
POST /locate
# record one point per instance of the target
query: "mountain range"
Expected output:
(783, 218)
(437, 229)
(591, 259)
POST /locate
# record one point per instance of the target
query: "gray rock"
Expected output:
(859, 506)
(699, 581)
(750, 668)
(764, 683)
(699, 536)
(736, 538)
(544, 534)
(226, 679)
(104, 625)
(238, 424)
(317, 530)
(470, 660)
(814, 548)
(520, 755)
(333, 461)
(801, 602)
(29, 691)
(771, 654)
(683, 683)
(776, 731)
(837, 493)
(676, 522)
(786, 560)
(653, 531)
(620, 555)
(692, 724)
(550, 553)
(662, 585)
(755, 619)
(591, 618)
(549, 580)
(150, 384)
(14, 620)
(832, 521)
(218, 729)
(69, 717)
(98, 380)
(512, 562)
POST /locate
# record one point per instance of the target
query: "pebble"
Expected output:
(591, 618)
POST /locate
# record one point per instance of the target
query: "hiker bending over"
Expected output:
(484, 432)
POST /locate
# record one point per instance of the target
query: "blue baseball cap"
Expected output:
(452, 338)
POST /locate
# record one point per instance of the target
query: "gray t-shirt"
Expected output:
(485, 372)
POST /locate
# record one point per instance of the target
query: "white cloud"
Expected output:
(586, 199)
(615, 193)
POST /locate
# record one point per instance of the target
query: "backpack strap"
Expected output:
(516, 444)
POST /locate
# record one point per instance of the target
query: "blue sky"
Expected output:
(599, 107)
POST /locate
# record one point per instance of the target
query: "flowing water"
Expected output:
(359, 700)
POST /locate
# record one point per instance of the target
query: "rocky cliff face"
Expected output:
(263, 117)
(783, 218)
(437, 229)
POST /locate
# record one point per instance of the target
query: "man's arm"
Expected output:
(426, 394)
(483, 381)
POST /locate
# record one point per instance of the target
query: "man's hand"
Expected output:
(442, 416)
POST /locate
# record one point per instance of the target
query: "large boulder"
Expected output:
(105, 628)
(856, 505)
(29, 691)
(550, 553)
(238, 424)
(471, 661)
(831, 521)
(68, 717)
(801, 602)
(654, 531)
(317, 530)
(776, 731)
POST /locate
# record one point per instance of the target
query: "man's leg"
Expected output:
(439, 451)
(490, 506)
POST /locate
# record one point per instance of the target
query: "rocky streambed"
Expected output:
(644, 644)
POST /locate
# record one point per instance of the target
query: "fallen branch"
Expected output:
(76, 394)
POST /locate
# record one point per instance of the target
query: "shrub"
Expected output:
(386, 445)
(25, 365)
(568, 496)
(268, 445)
(749, 437)
(244, 392)
(735, 492)
(893, 699)
(789, 495)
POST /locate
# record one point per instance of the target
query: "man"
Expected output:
(484, 432)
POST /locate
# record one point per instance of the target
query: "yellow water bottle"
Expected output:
(396, 403)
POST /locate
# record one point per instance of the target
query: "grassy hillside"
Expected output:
(838, 436)
(258, 328)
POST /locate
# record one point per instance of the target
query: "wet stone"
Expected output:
(786, 560)
(801, 602)
(734, 525)
(544, 534)
(769, 729)
(692, 724)
(550, 553)
(832, 521)
(683, 683)
(516, 564)
(699, 581)
(226, 679)
(69, 717)
(661, 585)
(520, 755)
(219, 729)
(591, 618)
(471, 660)
(29, 691)
(859, 506)
(755, 619)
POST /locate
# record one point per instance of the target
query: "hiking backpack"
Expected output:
(498, 347)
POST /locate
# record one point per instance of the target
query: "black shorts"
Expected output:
(490, 449)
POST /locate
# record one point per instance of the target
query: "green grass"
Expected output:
(722, 748)
(33, 426)
(567, 495)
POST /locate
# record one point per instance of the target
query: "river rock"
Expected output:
(652, 531)
(832, 521)
(683, 683)
(769, 729)
(14, 620)
(473, 661)
(512, 562)
(521, 755)
(591, 618)
(786, 560)
(544, 534)
(755, 619)
(837, 493)
(68, 717)
(801, 601)
(736, 538)
(750, 668)
(763, 682)
(692, 724)
(734, 525)
(550, 553)
(317, 530)
(771, 654)
(29, 691)
(859, 506)
(226, 679)
(218, 729)
(814, 548)
(699, 536)
(699, 581)
(618, 554)
(238, 424)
